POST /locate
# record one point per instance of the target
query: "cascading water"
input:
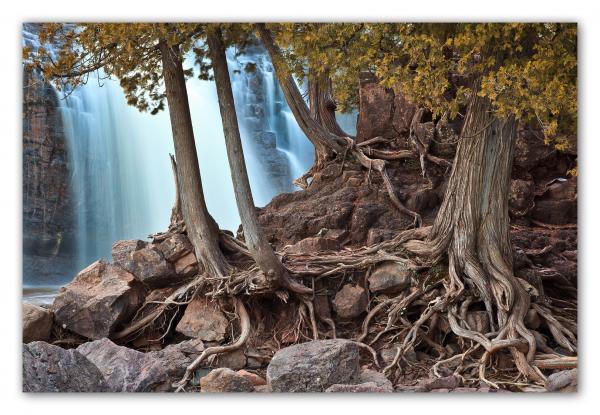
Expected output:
(121, 180)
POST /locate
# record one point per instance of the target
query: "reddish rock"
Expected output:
(149, 266)
(312, 245)
(37, 323)
(441, 384)
(225, 380)
(390, 277)
(203, 320)
(122, 250)
(98, 300)
(187, 266)
(175, 246)
(375, 108)
(252, 377)
(350, 301)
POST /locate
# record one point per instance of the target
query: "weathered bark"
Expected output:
(322, 103)
(256, 241)
(325, 142)
(472, 228)
(202, 230)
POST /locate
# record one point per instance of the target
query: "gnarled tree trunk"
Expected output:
(322, 104)
(202, 230)
(472, 228)
(256, 240)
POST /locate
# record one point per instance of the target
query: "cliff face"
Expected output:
(48, 223)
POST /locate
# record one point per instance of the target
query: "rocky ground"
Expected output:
(82, 341)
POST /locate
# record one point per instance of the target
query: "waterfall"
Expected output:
(121, 180)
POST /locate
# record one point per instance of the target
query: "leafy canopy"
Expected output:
(527, 70)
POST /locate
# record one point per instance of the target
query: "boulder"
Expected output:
(389, 277)
(367, 387)
(314, 366)
(233, 360)
(121, 250)
(252, 377)
(225, 380)
(149, 265)
(187, 266)
(49, 368)
(98, 300)
(378, 378)
(350, 301)
(203, 320)
(37, 323)
(176, 357)
(175, 246)
(125, 369)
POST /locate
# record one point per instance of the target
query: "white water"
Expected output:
(121, 176)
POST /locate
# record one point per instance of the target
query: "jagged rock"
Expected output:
(203, 320)
(312, 245)
(252, 377)
(390, 277)
(121, 250)
(378, 378)
(445, 383)
(187, 266)
(176, 357)
(350, 301)
(314, 366)
(233, 360)
(375, 104)
(149, 266)
(37, 323)
(225, 380)
(175, 246)
(367, 387)
(98, 300)
(124, 369)
(49, 368)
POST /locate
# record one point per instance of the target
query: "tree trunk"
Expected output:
(256, 241)
(472, 228)
(325, 142)
(202, 230)
(322, 103)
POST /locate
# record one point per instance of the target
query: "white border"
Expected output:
(14, 13)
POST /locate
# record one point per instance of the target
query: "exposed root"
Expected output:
(239, 343)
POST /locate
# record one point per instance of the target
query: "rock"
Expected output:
(376, 235)
(121, 250)
(375, 104)
(187, 266)
(563, 381)
(555, 212)
(225, 380)
(175, 246)
(441, 384)
(124, 369)
(313, 244)
(233, 360)
(389, 277)
(368, 387)
(149, 266)
(314, 366)
(378, 378)
(252, 377)
(176, 357)
(49, 368)
(350, 301)
(203, 320)
(98, 300)
(37, 323)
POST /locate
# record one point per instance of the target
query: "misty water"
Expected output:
(121, 180)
